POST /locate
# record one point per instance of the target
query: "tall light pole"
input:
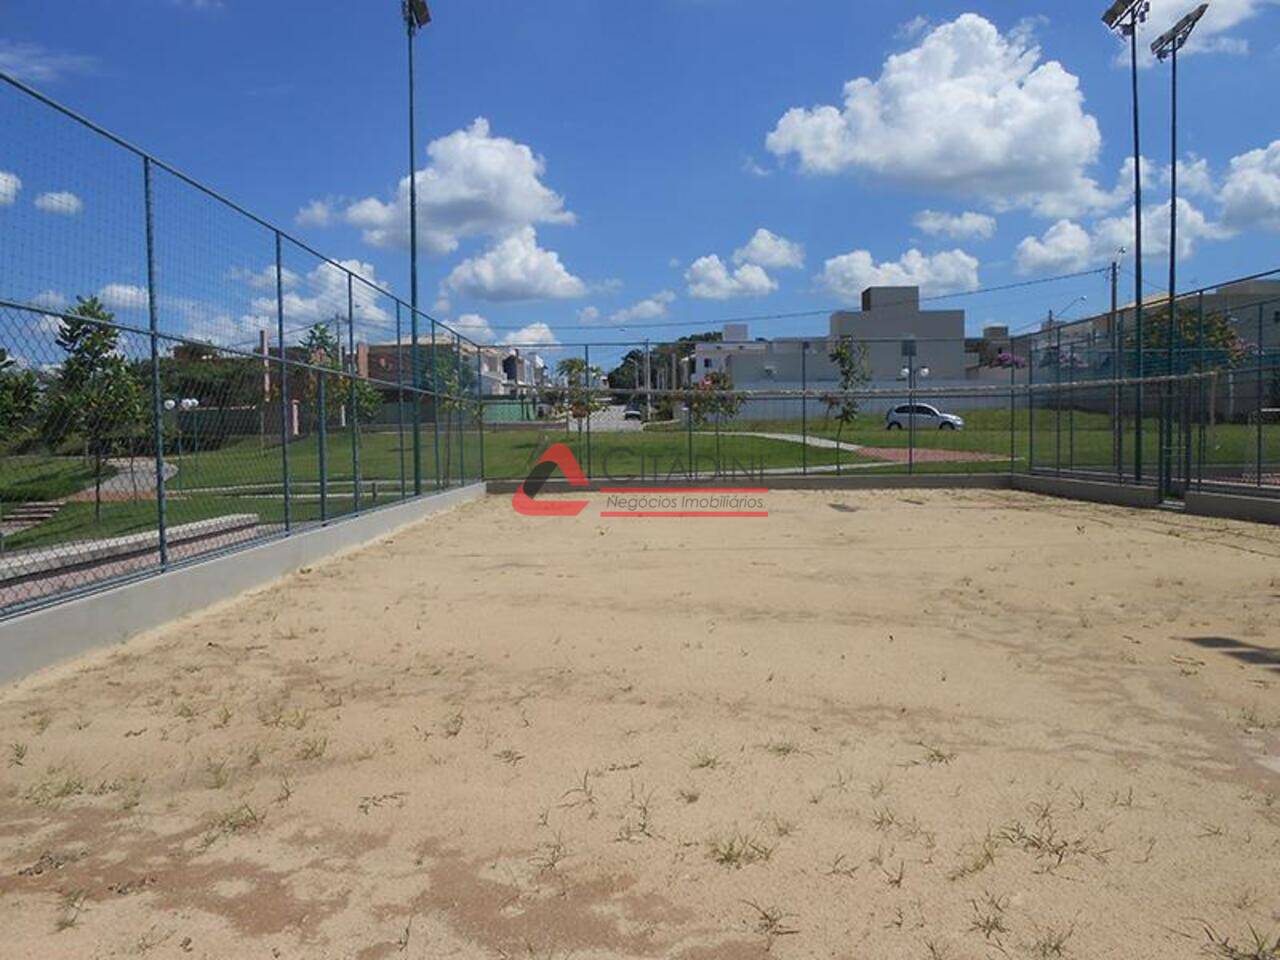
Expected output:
(416, 16)
(1166, 47)
(1124, 17)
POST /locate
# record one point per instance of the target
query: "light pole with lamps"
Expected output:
(1166, 47)
(912, 374)
(185, 405)
(416, 16)
(1124, 16)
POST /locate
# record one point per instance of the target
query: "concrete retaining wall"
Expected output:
(44, 637)
(1233, 507)
(828, 481)
(1094, 491)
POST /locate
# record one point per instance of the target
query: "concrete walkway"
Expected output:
(821, 443)
(132, 477)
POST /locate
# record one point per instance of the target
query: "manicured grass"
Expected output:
(1079, 439)
(27, 478)
(507, 455)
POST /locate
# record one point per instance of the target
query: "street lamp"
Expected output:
(1124, 16)
(185, 405)
(416, 16)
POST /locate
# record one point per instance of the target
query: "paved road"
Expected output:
(612, 420)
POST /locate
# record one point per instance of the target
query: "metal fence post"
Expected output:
(1200, 383)
(157, 404)
(1031, 404)
(911, 417)
(1057, 403)
(688, 423)
(457, 418)
(1258, 402)
(435, 398)
(416, 378)
(352, 373)
(804, 408)
(586, 374)
(400, 400)
(322, 442)
(286, 421)
(1013, 407)
(480, 405)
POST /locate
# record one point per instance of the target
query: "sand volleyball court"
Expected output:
(954, 724)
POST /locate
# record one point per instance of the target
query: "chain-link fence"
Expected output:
(179, 377)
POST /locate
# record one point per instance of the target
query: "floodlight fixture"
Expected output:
(416, 14)
(1175, 37)
(1124, 15)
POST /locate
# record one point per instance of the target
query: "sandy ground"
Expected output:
(873, 725)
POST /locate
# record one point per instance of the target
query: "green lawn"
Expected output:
(1081, 439)
(245, 476)
(25, 479)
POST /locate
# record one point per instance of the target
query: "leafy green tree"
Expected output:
(1207, 343)
(455, 378)
(579, 398)
(19, 398)
(714, 399)
(850, 359)
(97, 395)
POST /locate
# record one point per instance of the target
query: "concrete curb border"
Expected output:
(1232, 506)
(888, 481)
(1094, 491)
(33, 641)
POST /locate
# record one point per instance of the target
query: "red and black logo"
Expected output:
(557, 455)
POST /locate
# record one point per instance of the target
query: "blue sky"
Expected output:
(600, 168)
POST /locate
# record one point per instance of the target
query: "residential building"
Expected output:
(891, 326)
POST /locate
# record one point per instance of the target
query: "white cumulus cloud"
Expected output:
(123, 296)
(1069, 246)
(957, 226)
(968, 111)
(10, 187)
(476, 185)
(535, 334)
(515, 268)
(710, 279)
(650, 308)
(317, 213)
(1251, 194)
(474, 327)
(767, 249)
(36, 64)
(322, 295)
(62, 203)
(947, 272)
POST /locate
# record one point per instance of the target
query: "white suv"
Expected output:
(922, 417)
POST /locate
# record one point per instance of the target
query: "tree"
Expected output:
(579, 397)
(714, 397)
(850, 359)
(1200, 343)
(629, 373)
(320, 352)
(97, 396)
(455, 379)
(19, 397)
